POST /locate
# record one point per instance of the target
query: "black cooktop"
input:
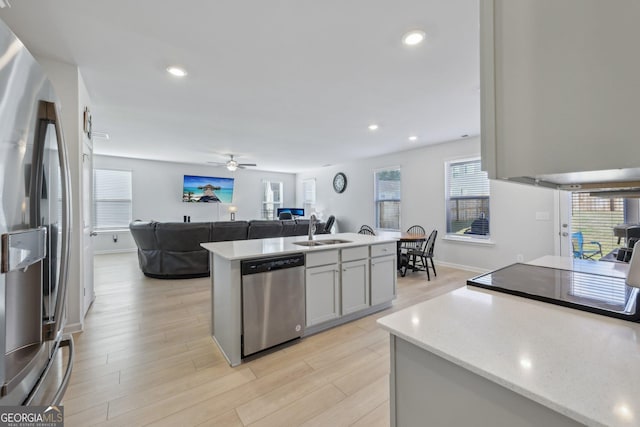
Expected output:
(595, 293)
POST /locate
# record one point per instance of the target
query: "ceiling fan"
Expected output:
(232, 164)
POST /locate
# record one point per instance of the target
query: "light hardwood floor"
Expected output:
(146, 358)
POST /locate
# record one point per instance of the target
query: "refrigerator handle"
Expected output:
(57, 398)
(48, 111)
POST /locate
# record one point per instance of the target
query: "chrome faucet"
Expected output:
(312, 226)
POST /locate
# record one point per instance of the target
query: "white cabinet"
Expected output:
(355, 285)
(559, 86)
(350, 280)
(322, 294)
(322, 278)
(383, 273)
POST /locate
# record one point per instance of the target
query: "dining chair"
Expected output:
(365, 229)
(419, 259)
(417, 245)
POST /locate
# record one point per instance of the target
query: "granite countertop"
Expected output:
(583, 365)
(256, 248)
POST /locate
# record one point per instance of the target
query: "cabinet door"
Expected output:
(322, 294)
(383, 279)
(355, 286)
(559, 86)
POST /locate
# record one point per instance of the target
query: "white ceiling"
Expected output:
(287, 84)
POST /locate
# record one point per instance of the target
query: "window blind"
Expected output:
(595, 217)
(467, 198)
(112, 198)
(387, 198)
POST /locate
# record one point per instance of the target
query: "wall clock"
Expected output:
(340, 182)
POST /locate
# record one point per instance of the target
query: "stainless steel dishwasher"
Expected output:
(273, 301)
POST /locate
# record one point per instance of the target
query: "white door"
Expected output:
(563, 242)
(87, 227)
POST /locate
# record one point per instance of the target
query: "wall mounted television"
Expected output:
(292, 211)
(207, 189)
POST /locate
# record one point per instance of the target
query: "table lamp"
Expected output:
(232, 211)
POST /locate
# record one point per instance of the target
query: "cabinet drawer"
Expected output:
(353, 254)
(383, 249)
(316, 258)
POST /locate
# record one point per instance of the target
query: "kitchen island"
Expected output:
(346, 276)
(483, 358)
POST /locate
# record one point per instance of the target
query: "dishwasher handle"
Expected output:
(263, 265)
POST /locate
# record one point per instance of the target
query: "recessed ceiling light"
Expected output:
(413, 138)
(413, 38)
(176, 71)
(373, 126)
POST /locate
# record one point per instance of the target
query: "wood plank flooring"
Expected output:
(146, 358)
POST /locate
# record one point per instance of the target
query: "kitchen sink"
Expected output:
(308, 243)
(320, 242)
(333, 242)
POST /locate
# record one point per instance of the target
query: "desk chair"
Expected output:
(285, 215)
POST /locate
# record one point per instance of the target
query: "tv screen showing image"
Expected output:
(207, 189)
(292, 211)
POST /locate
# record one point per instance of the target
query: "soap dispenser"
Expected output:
(633, 277)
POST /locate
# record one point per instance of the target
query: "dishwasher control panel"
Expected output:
(263, 265)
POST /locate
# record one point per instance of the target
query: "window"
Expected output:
(309, 194)
(271, 199)
(596, 216)
(387, 198)
(467, 196)
(112, 199)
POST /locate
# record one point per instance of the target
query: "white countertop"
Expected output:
(583, 365)
(256, 248)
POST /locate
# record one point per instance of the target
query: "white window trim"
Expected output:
(466, 239)
(375, 212)
(276, 205)
(458, 238)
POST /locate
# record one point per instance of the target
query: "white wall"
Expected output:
(157, 194)
(514, 228)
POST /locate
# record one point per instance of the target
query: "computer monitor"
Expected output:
(292, 211)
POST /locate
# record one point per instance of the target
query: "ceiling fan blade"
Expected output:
(247, 164)
(217, 163)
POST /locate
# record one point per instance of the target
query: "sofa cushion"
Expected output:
(180, 236)
(302, 227)
(144, 234)
(222, 231)
(260, 229)
(289, 228)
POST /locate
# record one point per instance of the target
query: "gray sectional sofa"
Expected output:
(171, 250)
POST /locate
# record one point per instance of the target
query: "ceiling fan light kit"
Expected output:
(232, 164)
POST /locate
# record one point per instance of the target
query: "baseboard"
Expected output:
(72, 328)
(461, 267)
(115, 251)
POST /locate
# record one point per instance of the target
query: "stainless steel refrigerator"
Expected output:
(35, 357)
